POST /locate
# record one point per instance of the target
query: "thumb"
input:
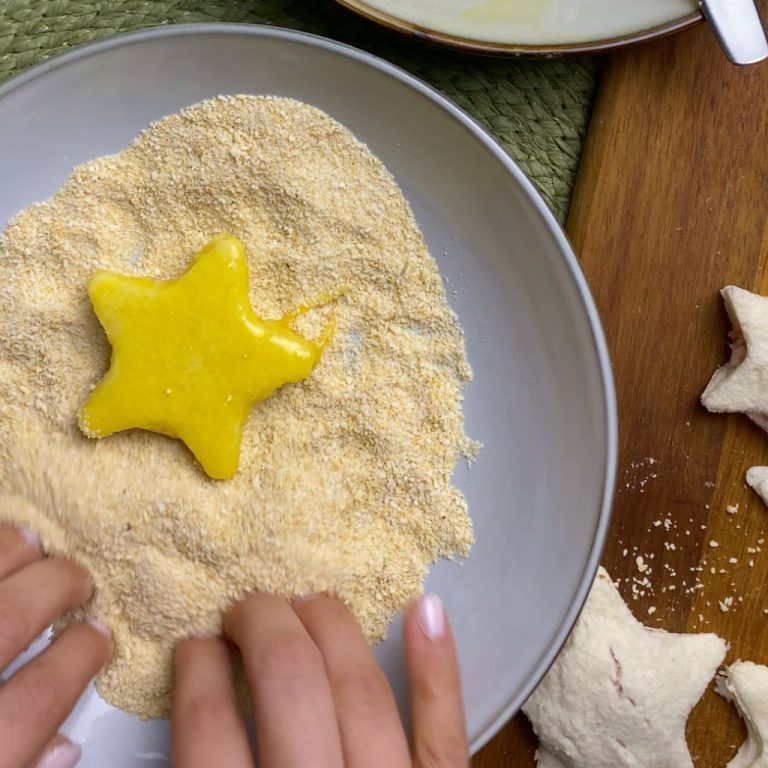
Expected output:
(439, 735)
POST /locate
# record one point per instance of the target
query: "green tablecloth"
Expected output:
(538, 110)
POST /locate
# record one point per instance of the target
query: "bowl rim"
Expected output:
(570, 262)
(523, 50)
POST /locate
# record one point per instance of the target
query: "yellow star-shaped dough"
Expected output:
(190, 357)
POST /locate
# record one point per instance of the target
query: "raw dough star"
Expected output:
(619, 694)
(741, 385)
(746, 685)
(757, 479)
(190, 357)
(546, 759)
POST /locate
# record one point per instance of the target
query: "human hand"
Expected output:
(319, 698)
(34, 592)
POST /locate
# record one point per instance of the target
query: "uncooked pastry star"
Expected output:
(546, 759)
(757, 479)
(619, 694)
(746, 685)
(190, 357)
(741, 385)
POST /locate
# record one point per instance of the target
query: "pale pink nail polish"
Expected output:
(99, 626)
(431, 616)
(30, 537)
(64, 755)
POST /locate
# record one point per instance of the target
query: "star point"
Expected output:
(746, 685)
(741, 384)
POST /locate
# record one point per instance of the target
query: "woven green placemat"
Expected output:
(538, 110)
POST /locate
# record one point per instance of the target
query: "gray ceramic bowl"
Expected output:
(542, 401)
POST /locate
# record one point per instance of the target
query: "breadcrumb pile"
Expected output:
(345, 480)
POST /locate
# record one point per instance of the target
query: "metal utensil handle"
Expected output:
(738, 28)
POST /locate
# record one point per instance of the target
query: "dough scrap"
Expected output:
(741, 385)
(746, 685)
(619, 694)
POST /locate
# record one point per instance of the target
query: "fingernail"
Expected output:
(64, 755)
(202, 634)
(304, 598)
(30, 537)
(99, 626)
(432, 616)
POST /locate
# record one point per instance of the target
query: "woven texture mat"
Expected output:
(538, 110)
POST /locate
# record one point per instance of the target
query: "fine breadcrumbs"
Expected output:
(345, 480)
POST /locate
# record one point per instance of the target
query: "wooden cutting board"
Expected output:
(672, 204)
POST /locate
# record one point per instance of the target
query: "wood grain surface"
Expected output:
(671, 205)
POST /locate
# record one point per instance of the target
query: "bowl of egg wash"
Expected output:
(276, 315)
(531, 27)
